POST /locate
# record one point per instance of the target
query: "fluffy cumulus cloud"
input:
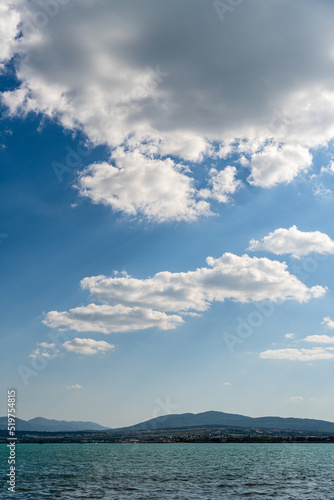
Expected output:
(130, 304)
(76, 386)
(176, 81)
(242, 279)
(314, 354)
(109, 319)
(221, 185)
(294, 242)
(87, 347)
(136, 184)
(275, 164)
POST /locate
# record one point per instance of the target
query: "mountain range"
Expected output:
(220, 419)
(179, 421)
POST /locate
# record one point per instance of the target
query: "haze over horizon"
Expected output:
(166, 240)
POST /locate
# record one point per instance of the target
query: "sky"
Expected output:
(167, 190)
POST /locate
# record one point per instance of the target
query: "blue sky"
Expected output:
(173, 167)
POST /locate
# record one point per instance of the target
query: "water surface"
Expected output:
(172, 471)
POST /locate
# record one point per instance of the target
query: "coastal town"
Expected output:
(192, 435)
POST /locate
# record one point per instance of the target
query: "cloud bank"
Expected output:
(165, 81)
(130, 304)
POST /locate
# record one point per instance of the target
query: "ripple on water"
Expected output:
(174, 471)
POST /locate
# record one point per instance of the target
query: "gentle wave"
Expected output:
(172, 471)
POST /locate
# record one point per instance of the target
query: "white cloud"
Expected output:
(221, 185)
(276, 163)
(45, 350)
(313, 354)
(289, 336)
(242, 279)
(295, 242)
(138, 184)
(110, 75)
(87, 346)
(227, 383)
(9, 20)
(295, 399)
(109, 319)
(328, 322)
(135, 304)
(320, 339)
(186, 145)
(118, 76)
(76, 386)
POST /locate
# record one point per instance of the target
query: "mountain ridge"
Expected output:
(221, 419)
(179, 421)
(41, 424)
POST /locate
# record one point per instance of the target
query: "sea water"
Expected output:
(171, 471)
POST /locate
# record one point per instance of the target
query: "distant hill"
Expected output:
(40, 424)
(180, 421)
(217, 418)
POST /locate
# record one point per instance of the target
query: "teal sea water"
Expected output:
(172, 471)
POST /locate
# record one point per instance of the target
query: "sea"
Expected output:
(171, 471)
